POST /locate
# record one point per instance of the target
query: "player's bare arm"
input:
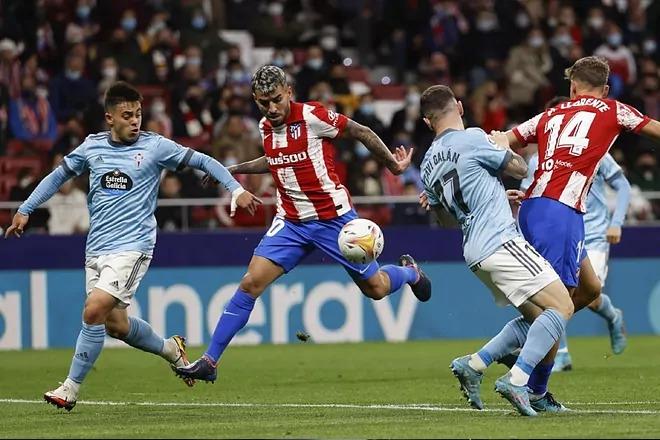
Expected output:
(255, 166)
(516, 167)
(396, 162)
(652, 130)
(514, 142)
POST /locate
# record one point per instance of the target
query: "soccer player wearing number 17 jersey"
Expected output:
(461, 175)
(572, 138)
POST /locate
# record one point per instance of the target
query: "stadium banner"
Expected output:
(41, 308)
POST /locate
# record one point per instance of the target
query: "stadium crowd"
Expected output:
(368, 59)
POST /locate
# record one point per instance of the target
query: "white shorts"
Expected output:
(598, 261)
(118, 274)
(515, 272)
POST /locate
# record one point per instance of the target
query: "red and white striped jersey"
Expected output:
(301, 160)
(573, 137)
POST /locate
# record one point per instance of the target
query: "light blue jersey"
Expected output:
(460, 172)
(598, 217)
(123, 187)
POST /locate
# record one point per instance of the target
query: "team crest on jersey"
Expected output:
(115, 182)
(295, 130)
(138, 159)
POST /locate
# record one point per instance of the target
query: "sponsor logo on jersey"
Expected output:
(284, 159)
(116, 182)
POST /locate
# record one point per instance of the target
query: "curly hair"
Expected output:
(267, 78)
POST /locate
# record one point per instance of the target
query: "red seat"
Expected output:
(12, 165)
(7, 182)
(391, 92)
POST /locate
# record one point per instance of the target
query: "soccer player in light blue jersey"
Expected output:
(124, 166)
(601, 229)
(461, 173)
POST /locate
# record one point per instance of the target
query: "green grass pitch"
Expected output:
(374, 390)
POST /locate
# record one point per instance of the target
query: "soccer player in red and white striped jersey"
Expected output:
(313, 206)
(572, 138)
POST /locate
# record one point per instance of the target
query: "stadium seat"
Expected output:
(12, 165)
(391, 91)
(7, 182)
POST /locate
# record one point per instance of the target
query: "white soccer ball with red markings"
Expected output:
(361, 241)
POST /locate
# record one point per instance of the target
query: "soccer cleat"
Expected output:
(563, 362)
(202, 369)
(61, 397)
(470, 380)
(422, 287)
(517, 395)
(548, 403)
(618, 338)
(181, 358)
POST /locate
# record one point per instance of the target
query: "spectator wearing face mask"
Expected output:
(31, 118)
(68, 211)
(313, 72)
(71, 93)
(84, 27)
(366, 115)
(646, 176)
(618, 56)
(527, 67)
(27, 180)
(200, 31)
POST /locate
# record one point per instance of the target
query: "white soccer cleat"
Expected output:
(180, 358)
(62, 397)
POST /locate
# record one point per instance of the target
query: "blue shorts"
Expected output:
(286, 243)
(557, 232)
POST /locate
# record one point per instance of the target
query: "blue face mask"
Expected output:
(83, 11)
(315, 63)
(72, 74)
(129, 23)
(367, 109)
(614, 40)
(199, 22)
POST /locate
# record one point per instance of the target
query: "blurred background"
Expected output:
(369, 59)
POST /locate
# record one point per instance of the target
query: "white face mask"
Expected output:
(536, 42)
(329, 43)
(109, 72)
(596, 22)
(158, 108)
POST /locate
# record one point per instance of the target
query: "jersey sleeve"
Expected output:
(172, 155)
(531, 169)
(527, 131)
(75, 163)
(326, 123)
(629, 118)
(486, 152)
(608, 168)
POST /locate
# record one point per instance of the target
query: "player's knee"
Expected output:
(94, 314)
(566, 308)
(252, 284)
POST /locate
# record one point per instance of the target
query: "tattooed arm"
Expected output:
(396, 162)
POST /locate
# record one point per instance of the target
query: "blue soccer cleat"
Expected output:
(470, 380)
(516, 394)
(548, 403)
(202, 369)
(618, 338)
(422, 288)
(563, 362)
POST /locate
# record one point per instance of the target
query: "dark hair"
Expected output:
(267, 79)
(120, 92)
(435, 100)
(556, 101)
(590, 70)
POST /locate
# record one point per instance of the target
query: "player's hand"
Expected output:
(17, 225)
(613, 234)
(208, 180)
(500, 139)
(244, 199)
(402, 158)
(515, 196)
(424, 201)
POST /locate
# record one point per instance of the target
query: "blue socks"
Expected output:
(538, 380)
(88, 347)
(142, 336)
(511, 337)
(606, 309)
(542, 335)
(234, 318)
(399, 275)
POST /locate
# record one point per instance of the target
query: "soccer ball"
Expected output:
(361, 241)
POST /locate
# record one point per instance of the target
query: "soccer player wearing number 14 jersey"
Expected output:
(572, 138)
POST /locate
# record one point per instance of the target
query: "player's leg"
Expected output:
(374, 282)
(280, 250)
(603, 304)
